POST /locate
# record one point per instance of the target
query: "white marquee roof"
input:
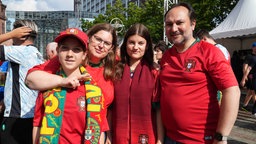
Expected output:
(240, 22)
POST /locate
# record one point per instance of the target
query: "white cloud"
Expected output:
(39, 5)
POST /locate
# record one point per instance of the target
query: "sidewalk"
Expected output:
(244, 130)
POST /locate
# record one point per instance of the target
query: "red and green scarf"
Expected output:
(54, 101)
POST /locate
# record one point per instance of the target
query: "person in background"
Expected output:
(134, 114)
(155, 61)
(65, 121)
(205, 36)
(7, 40)
(250, 94)
(3, 70)
(191, 73)
(250, 76)
(117, 53)
(237, 65)
(51, 50)
(159, 50)
(19, 100)
(19, 33)
(100, 62)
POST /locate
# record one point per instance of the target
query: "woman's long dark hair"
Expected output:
(136, 29)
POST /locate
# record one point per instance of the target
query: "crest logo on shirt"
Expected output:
(143, 139)
(81, 103)
(189, 64)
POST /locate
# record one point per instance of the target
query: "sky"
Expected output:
(39, 5)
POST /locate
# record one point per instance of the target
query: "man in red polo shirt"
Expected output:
(191, 73)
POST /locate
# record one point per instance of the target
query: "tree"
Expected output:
(209, 14)
(152, 18)
(116, 11)
(150, 14)
(134, 15)
(86, 24)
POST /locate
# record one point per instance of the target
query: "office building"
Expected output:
(2, 17)
(100, 6)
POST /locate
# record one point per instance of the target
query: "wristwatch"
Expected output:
(219, 137)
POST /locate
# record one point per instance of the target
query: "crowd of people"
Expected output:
(148, 94)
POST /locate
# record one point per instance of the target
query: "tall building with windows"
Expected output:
(2, 17)
(49, 23)
(100, 6)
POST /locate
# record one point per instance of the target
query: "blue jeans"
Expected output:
(167, 140)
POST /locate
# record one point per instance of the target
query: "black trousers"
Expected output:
(16, 130)
(254, 108)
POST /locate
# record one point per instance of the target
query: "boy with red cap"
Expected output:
(65, 115)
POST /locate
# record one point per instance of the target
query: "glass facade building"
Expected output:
(50, 23)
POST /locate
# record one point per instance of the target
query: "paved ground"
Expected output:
(244, 131)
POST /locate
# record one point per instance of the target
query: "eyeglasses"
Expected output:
(98, 40)
(74, 49)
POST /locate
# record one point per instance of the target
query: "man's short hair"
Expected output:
(28, 23)
(203, 33)
(161, 45)
(191, 11)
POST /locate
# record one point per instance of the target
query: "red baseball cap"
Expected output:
(73, 32)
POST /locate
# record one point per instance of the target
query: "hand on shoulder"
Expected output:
(74, 81)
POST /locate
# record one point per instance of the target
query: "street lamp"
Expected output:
(117, 24)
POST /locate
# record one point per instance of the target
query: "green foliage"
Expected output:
(116, 11)
(150, 14)
(152, 17)
(133, 15)
(86, 24)
(209, 14)
(100, 19)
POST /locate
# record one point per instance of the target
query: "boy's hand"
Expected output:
(85, 77)
(74, 81)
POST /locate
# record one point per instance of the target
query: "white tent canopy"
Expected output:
(241, 22)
